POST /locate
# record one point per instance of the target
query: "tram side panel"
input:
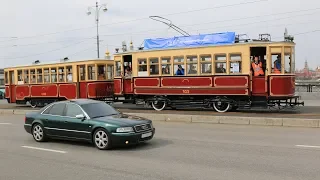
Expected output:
(100, 90)
(217, 85)
(281, 86)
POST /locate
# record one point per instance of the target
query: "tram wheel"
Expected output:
(158, 106)
(221, 107)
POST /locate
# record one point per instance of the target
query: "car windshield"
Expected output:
(95, 110)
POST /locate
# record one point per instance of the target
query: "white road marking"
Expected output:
(5, 123)
(307, 146)
(43, 149)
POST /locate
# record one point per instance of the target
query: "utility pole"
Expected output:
(97, 11)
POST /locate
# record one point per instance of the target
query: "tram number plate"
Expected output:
(146, 135)
(186, 91)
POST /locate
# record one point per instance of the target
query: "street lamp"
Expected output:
(97, 7)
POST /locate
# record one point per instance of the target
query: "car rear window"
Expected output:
(99, 110)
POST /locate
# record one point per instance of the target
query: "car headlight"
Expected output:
(124, 129)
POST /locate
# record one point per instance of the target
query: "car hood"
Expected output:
(123, 120)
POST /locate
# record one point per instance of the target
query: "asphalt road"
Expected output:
(178, 151)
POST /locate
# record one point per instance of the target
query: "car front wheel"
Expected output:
(38, 133)
(101, 139)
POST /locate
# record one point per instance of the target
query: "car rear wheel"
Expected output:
(38, 133)
(101, 139)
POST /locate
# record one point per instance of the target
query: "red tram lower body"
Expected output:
(42, 94)
(222, 92)
(208, 91)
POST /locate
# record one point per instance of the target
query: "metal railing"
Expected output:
(311, 88)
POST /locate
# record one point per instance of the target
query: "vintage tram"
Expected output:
(213, 70)
(44, 83)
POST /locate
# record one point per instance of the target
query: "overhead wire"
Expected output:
(44, 52)
(138, 19)
(152, 30)
(193, 25)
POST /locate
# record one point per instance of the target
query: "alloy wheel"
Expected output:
(38, 133)
(101, 139)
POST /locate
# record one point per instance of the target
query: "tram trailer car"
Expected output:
(44, 83)
(218, 73)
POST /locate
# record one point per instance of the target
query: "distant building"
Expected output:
(1, 79)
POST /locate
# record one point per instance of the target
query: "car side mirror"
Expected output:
(80, 116)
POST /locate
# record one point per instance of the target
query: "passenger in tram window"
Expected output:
(128, 72)
(180, 70)
(192, 69)
(277, 65)
(221, 69)
(166, 70)
(256, 67)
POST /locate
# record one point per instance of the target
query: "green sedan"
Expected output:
(88, 120)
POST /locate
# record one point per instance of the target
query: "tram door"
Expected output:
(12, 87)
(127, 81)
(259, 83)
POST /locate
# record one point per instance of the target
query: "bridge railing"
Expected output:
(308, 88)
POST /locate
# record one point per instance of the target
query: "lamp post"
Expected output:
(97, 10)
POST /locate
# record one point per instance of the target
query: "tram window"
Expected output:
(192, 65)
(101, 72)
(142, 67)
(235, 63)
(39, 76)
(20, 78)
(220, 63)
(205, 64)
(6, 77)
(276, 63)
(118, 68)
(46, 75)
(110, 72)
(91, 72)
(154, 66)
(33, 76)
(69, 73)
(61, 72)
(54, 75)
(26, 76)
(82, 72)
(292, 61)
(178, 65)
(166, 65)
(287, 63)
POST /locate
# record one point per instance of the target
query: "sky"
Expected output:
(51, 30)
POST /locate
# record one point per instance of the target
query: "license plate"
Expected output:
(146, 135)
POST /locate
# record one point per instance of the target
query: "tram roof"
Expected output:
(252, 43)
(58, 63)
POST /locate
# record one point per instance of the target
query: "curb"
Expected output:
(234, 120)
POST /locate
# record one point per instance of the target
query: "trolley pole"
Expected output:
(97, 11)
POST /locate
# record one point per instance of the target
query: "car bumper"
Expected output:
(131, 138)
(27, 127)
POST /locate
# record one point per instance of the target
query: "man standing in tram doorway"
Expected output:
(277, 65)
(257, 67)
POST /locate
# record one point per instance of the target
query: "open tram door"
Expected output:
(123, 81)
(259, 85)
